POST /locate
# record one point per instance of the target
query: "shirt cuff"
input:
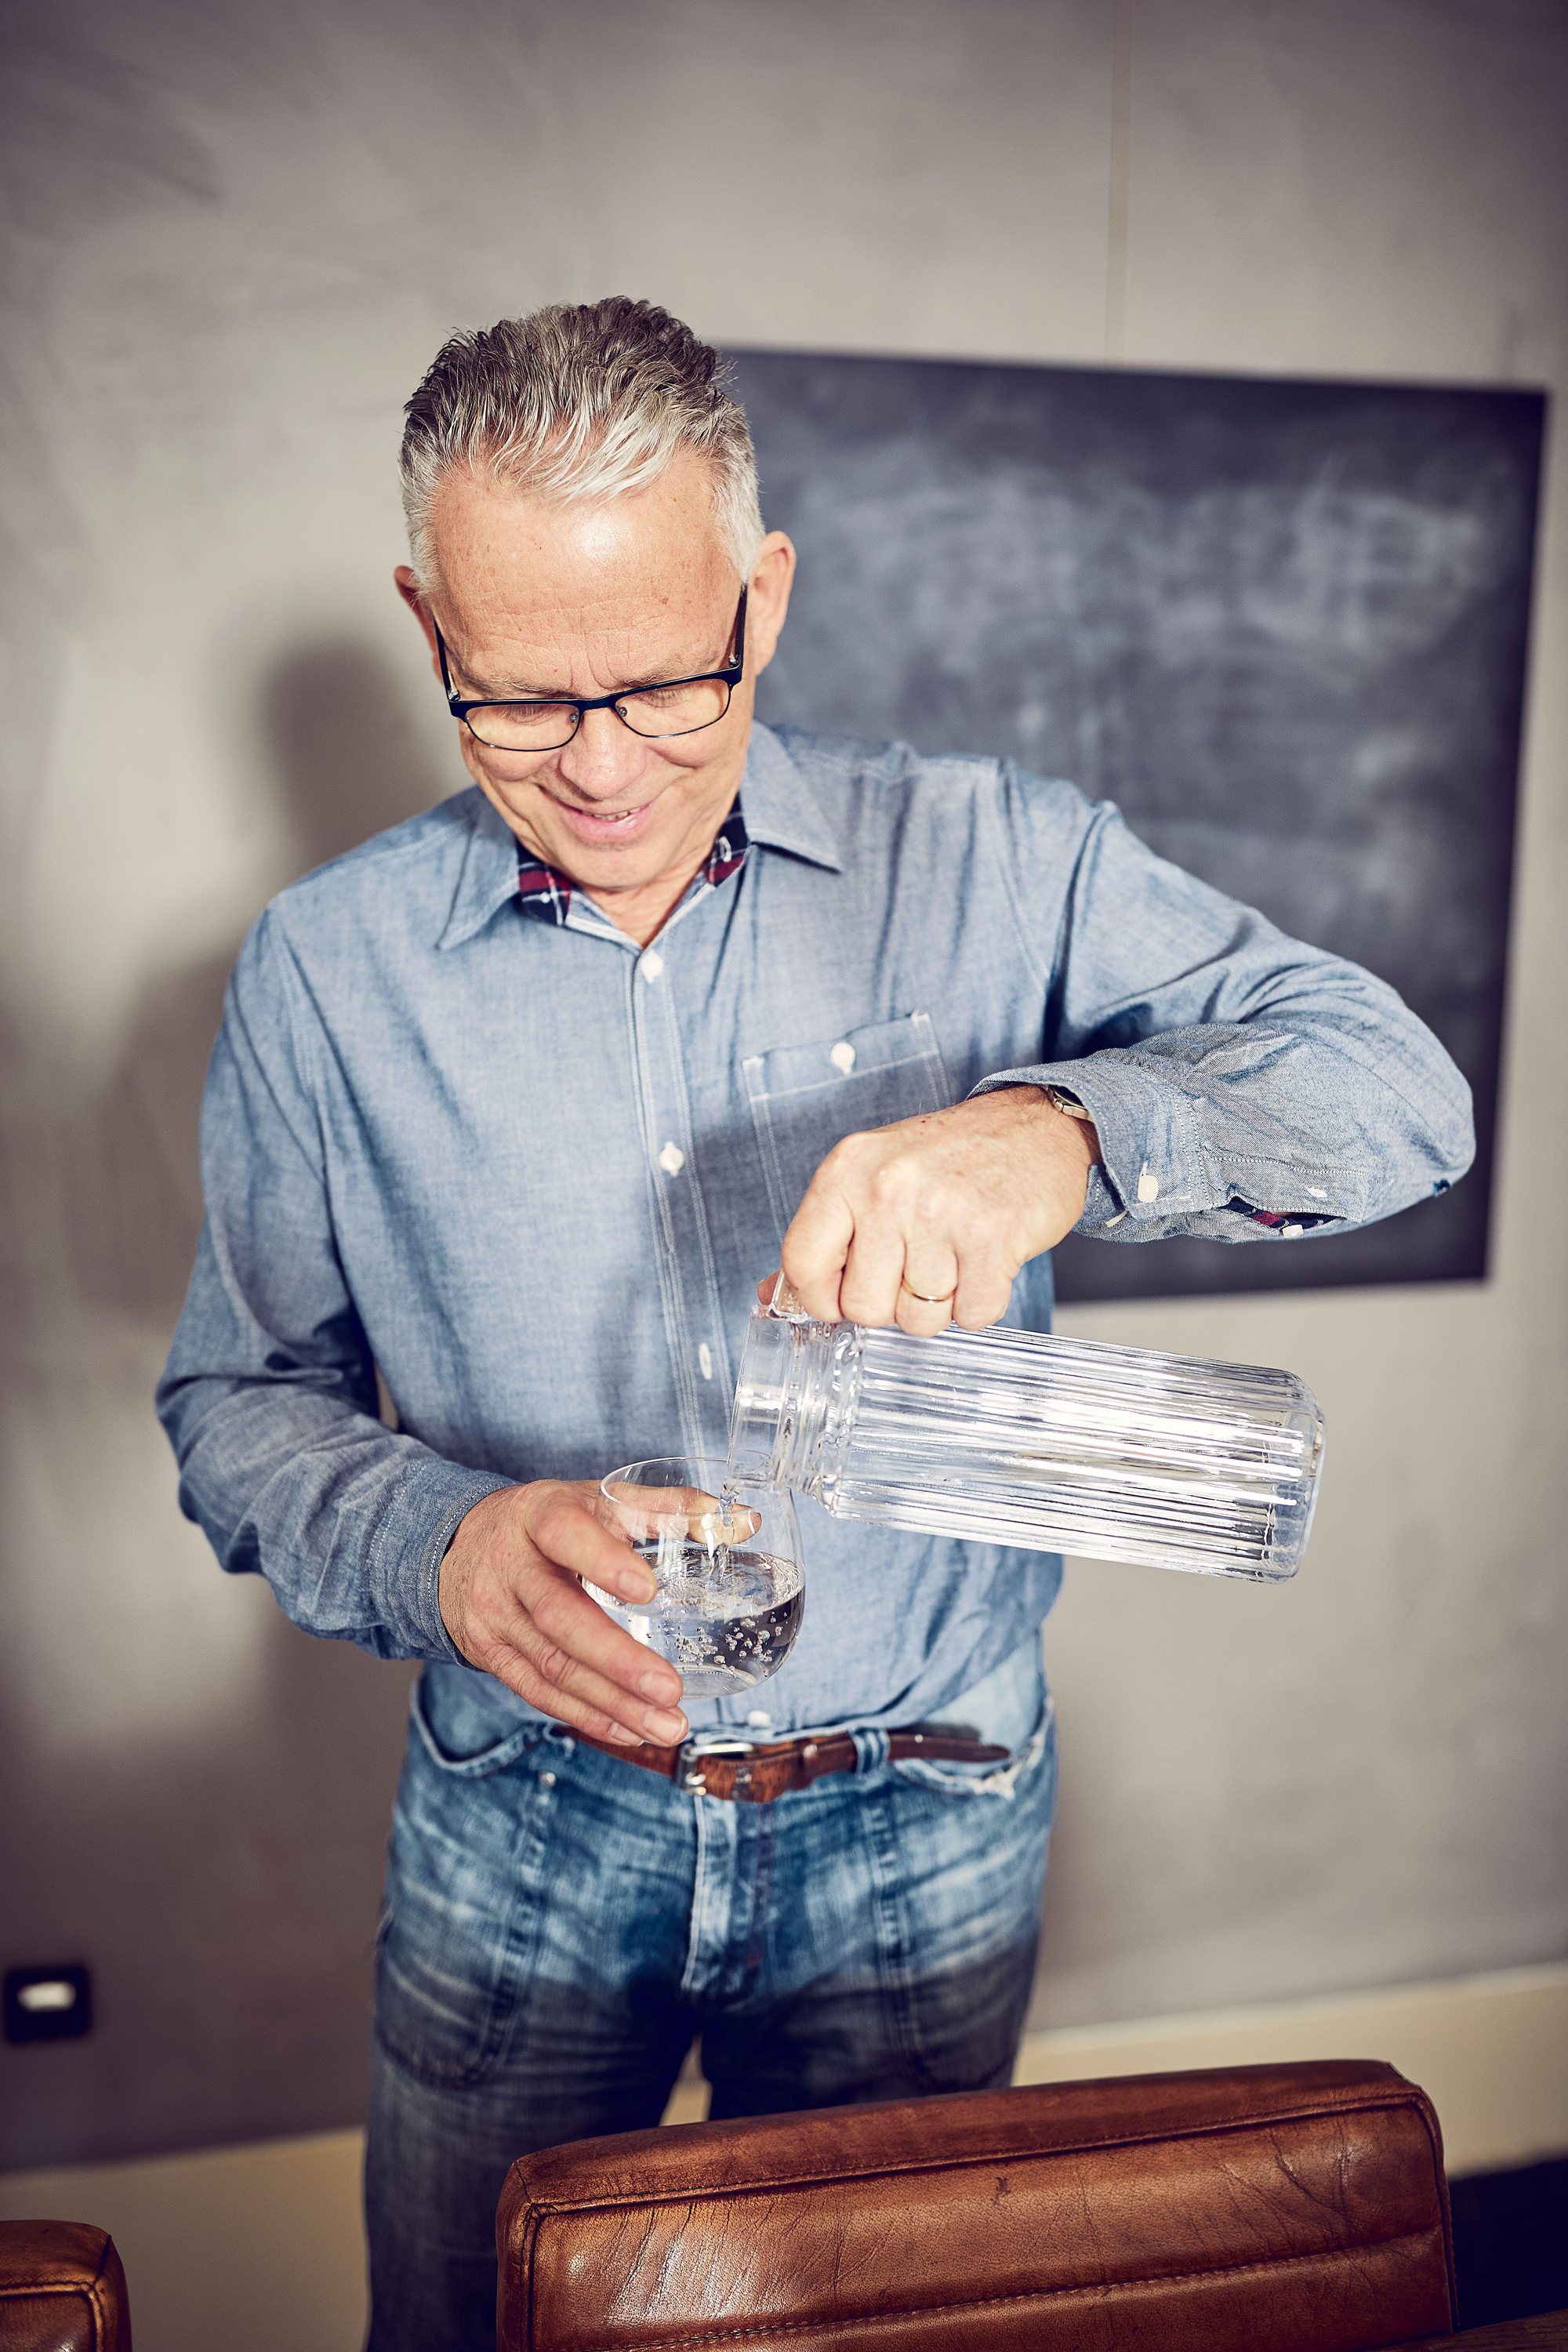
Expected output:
(422, 1515)
(1154, 1163)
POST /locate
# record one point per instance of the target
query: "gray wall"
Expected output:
(234, 236)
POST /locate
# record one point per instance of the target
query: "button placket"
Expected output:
(689, 1288)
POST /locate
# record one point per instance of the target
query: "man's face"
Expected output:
(537, 600)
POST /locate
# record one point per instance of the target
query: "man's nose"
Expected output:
(603, 757)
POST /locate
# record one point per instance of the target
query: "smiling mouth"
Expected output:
(605, 817)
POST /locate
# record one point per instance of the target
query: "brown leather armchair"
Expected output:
(1254, 2208)
(61, 2289)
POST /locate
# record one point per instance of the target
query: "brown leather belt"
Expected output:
(753, 1773)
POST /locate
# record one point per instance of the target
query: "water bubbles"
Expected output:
(724, 1618)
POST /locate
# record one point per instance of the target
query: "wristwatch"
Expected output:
(1067, 1103)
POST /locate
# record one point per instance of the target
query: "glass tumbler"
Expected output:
(731, 1590)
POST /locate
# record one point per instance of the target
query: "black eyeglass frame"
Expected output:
(729, 676)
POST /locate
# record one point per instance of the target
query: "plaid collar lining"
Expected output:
(545, 893)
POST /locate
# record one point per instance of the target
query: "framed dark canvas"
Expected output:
(1284, 624)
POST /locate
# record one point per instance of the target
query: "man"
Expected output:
(518, 1102)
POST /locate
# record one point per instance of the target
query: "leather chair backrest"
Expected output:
(1253, 2208)
(61, 2289)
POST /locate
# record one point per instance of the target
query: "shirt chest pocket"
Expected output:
(807, 1098)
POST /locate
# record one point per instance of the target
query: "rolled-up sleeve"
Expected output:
(1243, 1086)
(268, 1397)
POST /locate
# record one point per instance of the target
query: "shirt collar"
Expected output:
(781, 813)
(546, 894)
(489, 876)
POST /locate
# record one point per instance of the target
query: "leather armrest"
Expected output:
(61, 2289)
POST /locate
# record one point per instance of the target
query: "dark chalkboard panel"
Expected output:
(1282, 624)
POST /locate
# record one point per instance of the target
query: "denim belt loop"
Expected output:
(870, 1749)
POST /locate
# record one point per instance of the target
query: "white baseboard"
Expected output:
(259, 2247)
(1490, 2051)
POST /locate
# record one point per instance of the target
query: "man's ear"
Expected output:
(413, 595)
(767, 600)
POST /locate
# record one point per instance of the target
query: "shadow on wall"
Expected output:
(223, 1882)
(349, 762)
(350, 757)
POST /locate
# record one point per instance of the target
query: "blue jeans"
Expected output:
(559, 1924)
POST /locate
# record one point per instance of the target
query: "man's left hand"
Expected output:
(927, 1221)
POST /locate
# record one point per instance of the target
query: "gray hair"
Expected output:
(579, 401)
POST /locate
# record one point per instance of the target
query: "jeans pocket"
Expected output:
(467, 1744)
(960, 1893)
(1013, 1705)
(1004, 1779)
(463, 1890)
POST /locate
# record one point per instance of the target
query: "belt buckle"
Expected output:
(688, 1759)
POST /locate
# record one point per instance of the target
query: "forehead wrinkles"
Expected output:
(608, 637)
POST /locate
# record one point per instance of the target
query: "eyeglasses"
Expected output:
(679, 705)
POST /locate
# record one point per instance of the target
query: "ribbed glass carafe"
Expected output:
(1012, 1437)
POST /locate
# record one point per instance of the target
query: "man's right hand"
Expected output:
(511, 1601)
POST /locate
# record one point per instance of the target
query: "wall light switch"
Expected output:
(50, 2004)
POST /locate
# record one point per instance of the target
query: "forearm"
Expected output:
(1336, 1112)
(347, 1521)
(268, 1395)
(1226, 1064)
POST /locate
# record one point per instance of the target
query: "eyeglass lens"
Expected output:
(546, 726)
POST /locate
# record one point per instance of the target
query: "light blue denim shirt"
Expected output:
(535, 1173)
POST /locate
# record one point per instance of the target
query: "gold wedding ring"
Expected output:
(926, 1299)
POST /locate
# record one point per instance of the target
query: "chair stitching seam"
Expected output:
(981, 2158)
(1027, 2295)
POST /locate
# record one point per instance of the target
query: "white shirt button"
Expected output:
(672, 1159)
(1148, 1185)
(758, 1718)
(842, 1058)
(651, 965)
(705, 1359)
